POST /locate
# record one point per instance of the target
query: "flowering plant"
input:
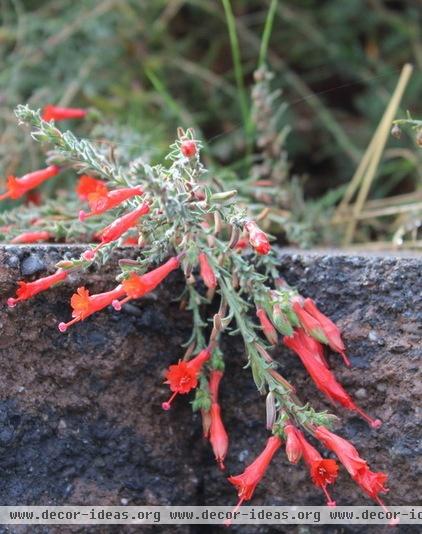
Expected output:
(181, 220)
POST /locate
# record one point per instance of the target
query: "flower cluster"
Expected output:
(180, 223)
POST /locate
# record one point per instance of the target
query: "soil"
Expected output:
(80, 413)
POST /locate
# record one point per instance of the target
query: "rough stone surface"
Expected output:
(80, 415)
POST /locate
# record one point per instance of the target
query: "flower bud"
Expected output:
(263, 353)
(234, 238)
(271, 410)
(218, 224)
(396, 131)
(188, 148)
(217, 322)
(281, 380)
(267, 327)
(257, 238)
(207, 272)
(218, 435)
(281, 322)
(293, 446)
(68, 264)
(219, 198)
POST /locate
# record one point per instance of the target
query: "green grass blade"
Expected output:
(266, 35)
(162, 91)
(238, 70)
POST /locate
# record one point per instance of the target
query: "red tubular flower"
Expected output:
(117, 228)
(311, 326)
(17, 187)
(217, 433)
(207, 273)
(314, 347)
(267, 327)
(218, 436)
(56, 113)
(372, 483)
(84, 304)
(188, 148)
(111, 199)
(323, 472)
(137, 286)
(324, 380)
(331, 331)
(293, 445)
(183, 377)
(90, 188)
(27, 290)
(250, 478)
(31, 237)
(257, 238)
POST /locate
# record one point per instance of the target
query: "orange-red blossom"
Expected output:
(26, 290)
(136, 286)
(250, 478)
(316, 324)
(322, 471)
(100, 199)
(84, 304)
(323, 378)
(17, 187)
(58, 113)
(183, 376)
(372, 483)
(117, 228)
(89, 187)
(31, 237)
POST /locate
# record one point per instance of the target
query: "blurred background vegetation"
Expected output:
(150, 66)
